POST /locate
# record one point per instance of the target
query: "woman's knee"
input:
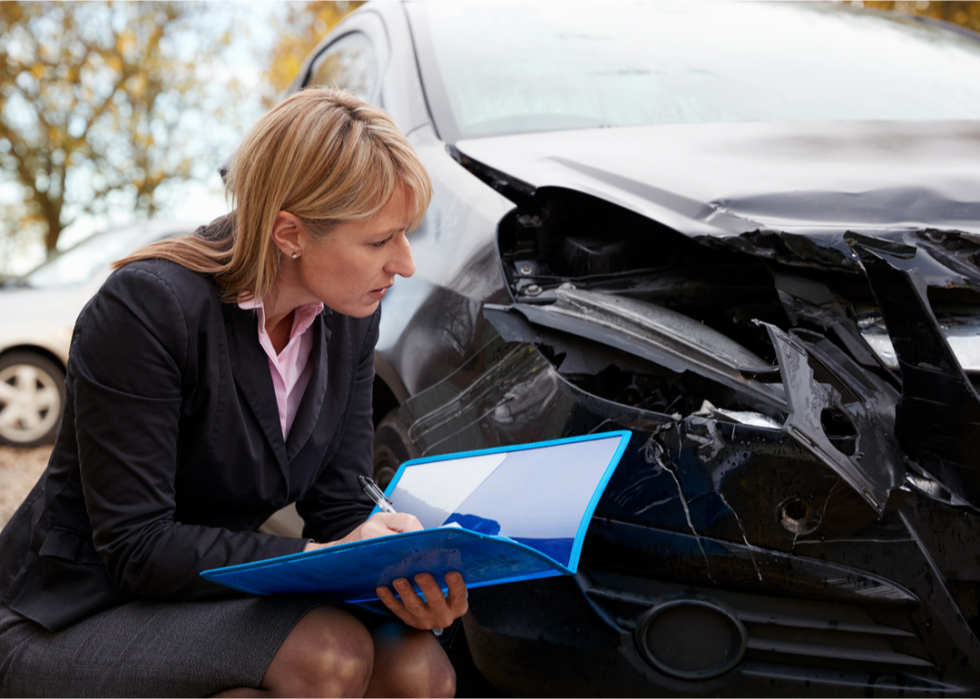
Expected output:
(328, 653)
(442, 676)
(442, 682)
(410, 663)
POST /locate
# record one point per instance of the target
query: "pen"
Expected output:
(384, 504)
(375, 493)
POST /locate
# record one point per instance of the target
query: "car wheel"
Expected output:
(392, 446)
(32, 395)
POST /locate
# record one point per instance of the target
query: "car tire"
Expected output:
(392, 447)
(32, 399)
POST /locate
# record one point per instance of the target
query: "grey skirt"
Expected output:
(149, 648)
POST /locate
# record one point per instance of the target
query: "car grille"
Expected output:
(832, 635)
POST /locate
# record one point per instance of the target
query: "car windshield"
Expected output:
(494, 69)
(79, 264)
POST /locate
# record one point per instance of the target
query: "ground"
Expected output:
(19, 471)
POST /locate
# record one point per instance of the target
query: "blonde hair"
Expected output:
(322, 155)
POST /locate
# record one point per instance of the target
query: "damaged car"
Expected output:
(748, 234)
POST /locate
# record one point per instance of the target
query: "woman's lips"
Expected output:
(379, 293)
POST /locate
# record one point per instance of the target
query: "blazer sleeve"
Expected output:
(128, 358)
(336, 504)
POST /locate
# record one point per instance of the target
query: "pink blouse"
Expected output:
(291, 368)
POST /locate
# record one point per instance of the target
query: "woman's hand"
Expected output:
(436, 611)
(381, 524)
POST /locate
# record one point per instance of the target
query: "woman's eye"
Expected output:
(382, 243)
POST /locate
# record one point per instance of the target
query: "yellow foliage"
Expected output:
(11, 12)
(85, 115)
(126, 42)
(965, 14)
(136, 86)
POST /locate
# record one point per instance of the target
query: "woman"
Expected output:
(213, 380)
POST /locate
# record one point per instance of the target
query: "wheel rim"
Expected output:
(30, 403)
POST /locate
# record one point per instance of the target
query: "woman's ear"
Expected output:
(288, 234)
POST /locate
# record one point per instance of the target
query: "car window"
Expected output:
(547, 66)
(350, 64)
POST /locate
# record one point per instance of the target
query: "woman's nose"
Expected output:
(401, 261)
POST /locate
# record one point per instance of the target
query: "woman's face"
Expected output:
(352, 268)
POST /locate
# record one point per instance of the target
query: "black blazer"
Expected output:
(171, 453)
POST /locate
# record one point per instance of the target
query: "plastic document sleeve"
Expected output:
(495, 515)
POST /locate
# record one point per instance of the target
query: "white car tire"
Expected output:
(32, 399)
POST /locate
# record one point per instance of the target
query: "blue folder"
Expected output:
(495, 515)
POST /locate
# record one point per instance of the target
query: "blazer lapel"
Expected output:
(308, 413)
(250, 367)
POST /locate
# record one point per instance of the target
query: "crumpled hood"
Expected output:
(722, 180)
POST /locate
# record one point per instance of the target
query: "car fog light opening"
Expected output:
(800, 516)
(691, 638)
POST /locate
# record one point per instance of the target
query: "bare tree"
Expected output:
(94, 100)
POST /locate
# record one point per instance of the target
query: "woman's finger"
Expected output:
(385, 523)
(457, 594)
(439, 612)
(399, 521)
(410, 608)
(395, 606)
(381, 524)
(430, 588)
(413, 603)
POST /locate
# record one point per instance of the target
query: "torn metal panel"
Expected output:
(574, 354)
(947, 258)
(791, 249)
(938, 418)
(745, 417)
(652, 332)
(961, 330)
(957, 251)
(817, 397)
(811, 302)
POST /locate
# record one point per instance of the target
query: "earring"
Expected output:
(295, 255)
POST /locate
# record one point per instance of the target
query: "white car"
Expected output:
(37, 315)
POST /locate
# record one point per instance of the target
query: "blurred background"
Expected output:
(112, 113)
